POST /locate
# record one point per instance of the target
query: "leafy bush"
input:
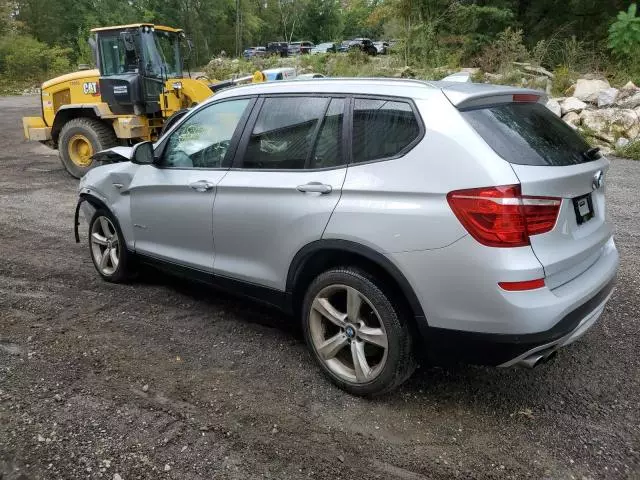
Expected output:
(23, 57)
(624, 34)
(507, 48)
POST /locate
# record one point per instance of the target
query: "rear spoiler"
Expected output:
(465, 96)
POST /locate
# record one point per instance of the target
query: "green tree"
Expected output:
(322, 21)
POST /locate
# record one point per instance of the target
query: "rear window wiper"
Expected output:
(592, 154)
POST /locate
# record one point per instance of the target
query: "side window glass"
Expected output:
(328, 151)
(202, 141)
(116, 59)
(382, 128)
(283, 134)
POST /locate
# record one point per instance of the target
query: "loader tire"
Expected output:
(81, 138)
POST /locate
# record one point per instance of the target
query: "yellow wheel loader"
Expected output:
(138, 89)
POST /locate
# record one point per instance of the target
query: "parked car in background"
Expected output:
(300, 48)
(392, 218)
(249, 52)
(284, 73)
(254, 52)
(308, 76)
(278, 49)
(381, 47)
(363, 44)
(326, 47)
(344, 46)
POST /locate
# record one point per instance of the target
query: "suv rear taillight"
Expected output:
(502, 216)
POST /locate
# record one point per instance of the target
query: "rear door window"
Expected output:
(529, 134)
(382, 129)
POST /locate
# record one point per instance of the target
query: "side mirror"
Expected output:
(143, 153)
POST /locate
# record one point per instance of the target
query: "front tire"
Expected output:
(80, 139)
(355, 332)
(108, 248)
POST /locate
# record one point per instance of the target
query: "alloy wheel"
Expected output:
(348, 334)
(105, 245)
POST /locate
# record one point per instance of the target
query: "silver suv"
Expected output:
(396, 219)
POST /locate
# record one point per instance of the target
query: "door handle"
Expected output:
(202, 186)
(314, 187)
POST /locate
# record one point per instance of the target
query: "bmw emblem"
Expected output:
(598, 180)
(350, 331)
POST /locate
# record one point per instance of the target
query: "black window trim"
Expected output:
(235, 139)
(391, 98)
(248, 129)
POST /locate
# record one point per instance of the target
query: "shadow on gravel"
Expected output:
(248, 310)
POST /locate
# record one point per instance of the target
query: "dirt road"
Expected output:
(164, 379)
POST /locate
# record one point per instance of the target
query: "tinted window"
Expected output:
(382, 128)
(528, 134)
(283, 134)
(328, 151)
(203, 139)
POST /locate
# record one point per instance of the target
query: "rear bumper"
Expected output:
(469, 318)
(508, 350)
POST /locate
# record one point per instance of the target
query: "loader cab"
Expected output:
(135, 63)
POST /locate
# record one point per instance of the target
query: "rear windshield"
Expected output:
(529, 134)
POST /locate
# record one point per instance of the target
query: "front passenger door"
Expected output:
(172, 200)
(282, 189)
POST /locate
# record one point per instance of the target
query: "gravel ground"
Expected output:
(163, 379)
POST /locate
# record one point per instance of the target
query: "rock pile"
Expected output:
(609, 115)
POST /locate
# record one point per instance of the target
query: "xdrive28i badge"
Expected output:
(598, 180)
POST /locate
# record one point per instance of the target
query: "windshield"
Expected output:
(161, 51)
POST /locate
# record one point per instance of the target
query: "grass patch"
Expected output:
(630, 150)
(10, 86)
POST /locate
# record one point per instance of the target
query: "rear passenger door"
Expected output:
(283, 186)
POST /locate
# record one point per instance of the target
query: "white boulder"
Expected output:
(632, 101)
(572, 104)
(611, 121)
(554, 106)
(607, 97)
(628, 90)
(588, 90)
(621, 142)
(572, 118)
(605, 150)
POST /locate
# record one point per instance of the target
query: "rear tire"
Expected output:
(355, 332)
(81, 138)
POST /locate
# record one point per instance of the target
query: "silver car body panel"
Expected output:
(257, 221)
(172, 220)
(261, 220)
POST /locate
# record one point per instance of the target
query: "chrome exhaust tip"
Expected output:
(531, 361)
(537, 359)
